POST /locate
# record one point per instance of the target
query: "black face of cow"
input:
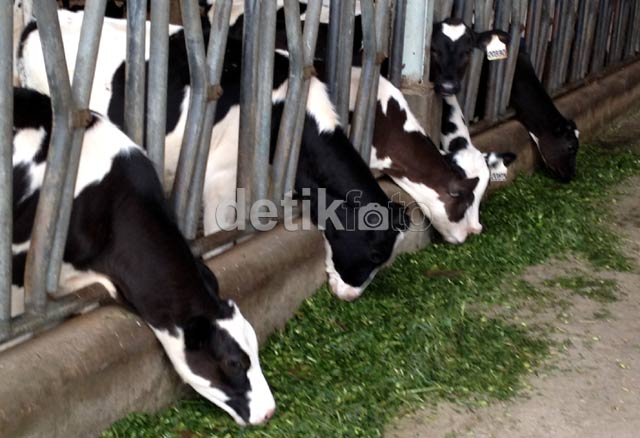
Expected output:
(354, 255)
(559, 150)
(452, 43)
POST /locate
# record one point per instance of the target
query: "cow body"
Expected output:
(122, 234)
(327, 159)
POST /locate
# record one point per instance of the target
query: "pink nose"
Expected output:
(268, 415)
(475, 229)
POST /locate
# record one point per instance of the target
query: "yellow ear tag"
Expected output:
(496, 49)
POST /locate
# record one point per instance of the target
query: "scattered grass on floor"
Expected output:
(346, 369)
(596, 289)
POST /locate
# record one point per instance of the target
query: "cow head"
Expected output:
(498, 163)
(364, 241)
(216, 353)
(452, 43)
(450, 220)
(559, 149)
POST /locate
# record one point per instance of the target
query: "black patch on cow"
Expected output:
(448, 127)
(30, 27)
(457, 144)
(18, 263)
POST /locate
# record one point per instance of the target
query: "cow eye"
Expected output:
(233, 367)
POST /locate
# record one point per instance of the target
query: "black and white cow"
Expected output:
(327, 159)
(123, 236)
(556, 137)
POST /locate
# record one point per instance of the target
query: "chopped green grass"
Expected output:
(596, 289)
(417, 336)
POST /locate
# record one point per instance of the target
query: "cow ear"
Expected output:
(484, 38)
(508, 157)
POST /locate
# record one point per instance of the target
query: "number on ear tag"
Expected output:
(496, 49)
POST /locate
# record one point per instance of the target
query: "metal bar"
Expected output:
(585, 58)
(291, 105)
(246, 144)
(264, 89)
(344, 61)
(335, 12)
(543, 41)
(514, 48)
(215, 57)
(363, 98)
(309, 40)
(86, 58)
(397, 47)
(417, 43)
(157, 84)
(382, 48)
(602, 34)
(193, 131)
(135, 70)
(483, 7)
(44, 226)
(442, 9)
(534, 23)
(580, 40)
(6, 167)
(632, 30)
(496, 68)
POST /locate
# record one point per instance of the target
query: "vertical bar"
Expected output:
(246, 146)
(193, 131)
(309, 40)
(344, 61)
(382, 48)
(417, 43)
(157, 84)
(482, 19)
(44, 227)
(442, 9)
(496, 68)
(135, 70)
(602, 35)
(363, 98)
(395, 64)
(295, 84)
(86, 57)
(534, 23)
(215, 58)
(514, 48)
(539, 61)
(335, 12)
(264, 89)
(6, 167)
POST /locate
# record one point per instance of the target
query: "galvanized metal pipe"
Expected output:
(44, 227)
(86, 58)
(534, 23)
(482, 14)
(417, 43)
(543, 41)
(6, 160)
(156, 121)
(602, 35)
(246, 146)
(496, 68)
(193, 131)
(397, 46)
(344, 60)
(309, 40)
(514, 48)
(442, 9)
(287, 127)
(335, 13)
(264, 90)
(135, 70)
(215, 59)
(363, 97)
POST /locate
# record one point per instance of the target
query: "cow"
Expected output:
(122, 235)
(327, 159)
(556, 137)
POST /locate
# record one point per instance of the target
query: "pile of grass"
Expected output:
(418, 336)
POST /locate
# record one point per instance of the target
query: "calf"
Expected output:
(327, 159)
(556, 137)
(122, 235)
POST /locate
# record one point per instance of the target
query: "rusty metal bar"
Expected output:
(135, 70)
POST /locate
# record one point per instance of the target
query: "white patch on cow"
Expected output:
(26, 144)
(72, 280)
(17, 248)
(434, 209)
(261, 401)
(377, 163)
(576, 132)
(454, 32)
(471, 160)
(534, 138)
(319, 105)
(174, 347)
(339, 287)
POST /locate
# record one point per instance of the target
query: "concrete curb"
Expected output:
(78, 378)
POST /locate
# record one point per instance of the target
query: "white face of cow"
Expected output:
(219, 359)
(473, 163)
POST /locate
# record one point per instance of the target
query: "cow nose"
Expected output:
(268, 415)
(475, 229)
(449, 88)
